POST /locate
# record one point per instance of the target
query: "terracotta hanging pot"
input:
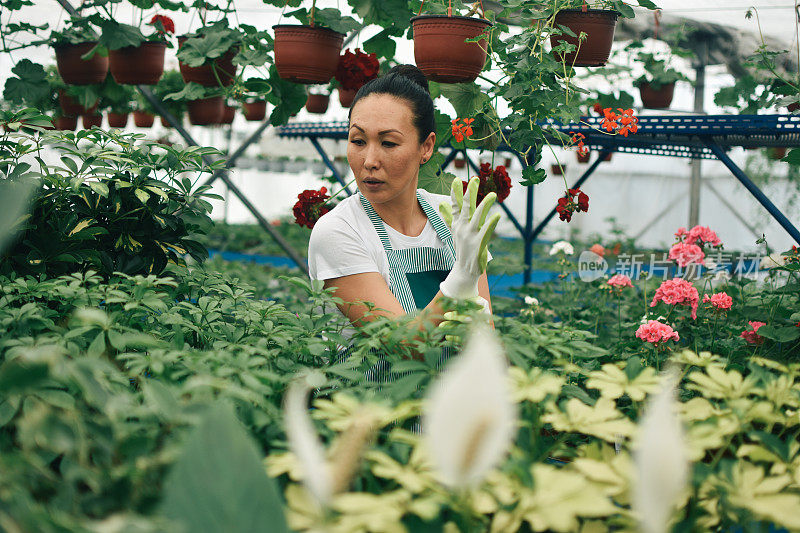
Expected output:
(306, 54)
(440, 51)
(659, 98)
(117, 120)
(228, 114)
(346, 96)
(164, 122)
(597, 24)
(91, 120)
(608, 156)
(206, 111)
(65, 123)
(255, 111)
(76, 71)
(460, 163)
(583, 158)
(557, 170)
(776, 152)
(138, 65)
(71, 107)
(143, 119)
(212, 73)
(317, 103)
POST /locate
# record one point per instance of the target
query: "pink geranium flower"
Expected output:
(704, 235)
(620, 281)
(598, 249)
(656, 333)
(750, 335)
(677, 292)
(686, 254)
(720, 301)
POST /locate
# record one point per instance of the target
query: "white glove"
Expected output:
(471, 234)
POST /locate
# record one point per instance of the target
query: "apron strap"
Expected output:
(436, 221)
(377, 223)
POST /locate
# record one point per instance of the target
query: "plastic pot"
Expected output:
(117, 120)
(583, 158)
(138, 65)
(460, 163)
(206, 111)
(143, 119)
(76, 71)
(776, 152)
(66, 123)
(91, 120)
(317, 103)
(305, 54)
(597, 24)
(557, 170)
(346, 96)
(228, 113)
(440, 51)
(206, 74)
(255, 111)
(71, 107)
(659, 98)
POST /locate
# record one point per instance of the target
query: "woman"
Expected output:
(388, 245)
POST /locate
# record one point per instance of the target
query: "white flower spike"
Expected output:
(562, 246)
(305, 443)
(469, 418)
(661, 461)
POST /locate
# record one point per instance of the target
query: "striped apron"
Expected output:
(414, 273)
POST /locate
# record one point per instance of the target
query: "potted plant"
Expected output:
(117, 101)
(657, 84)
(254, 110)
(78, 59)
(309, 53)
(134, 58)
(353, 71)
(170, 84)
(205, 105)
(91, 119)
(317, 103)
(441, 47)
(206, 57)
(228, 113)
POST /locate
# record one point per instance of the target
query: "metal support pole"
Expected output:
(526, 275)
(239, 151)
(581, 180)
(330, 165)
(754, 190)
(732, 209)
(696, 164)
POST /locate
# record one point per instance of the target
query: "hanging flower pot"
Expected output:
(138, 65)
(776, 152)
(317, 103)
(557, 170)
(306, 54)
(608, 156)
(65, 123)
(206, 111)
(346, 96)
(143, 119)
(76, 71)
(584, 157)
(440, 51)
(117, 120)
(659, 98)
(71, 107)
(91, 120)
(460, 163)
(597, 24)
(228, 113)
(164, 122)
(255, 111)
(213, 73)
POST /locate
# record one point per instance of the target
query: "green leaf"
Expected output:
(212, 44)
(532, 175)
(190, 91)
(780, 334)
(793, 157)
(99, 187)
(432, 178)
(30, 86)
(115, 35)
(219, 483)
(15, 199)
(381, 44)
(467, 98)
(142, 195)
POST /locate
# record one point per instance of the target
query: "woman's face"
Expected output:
(383, 148)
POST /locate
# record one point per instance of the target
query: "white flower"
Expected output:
(771, 261)
(469, 419)
(304, 442)
(530, 300)
(562, 246)
(661, 461)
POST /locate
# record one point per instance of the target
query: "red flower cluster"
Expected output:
(598, 108)
(356, 69)
(623, 123)
(310, 207)
(656, 333)
(677, 292)
(162, 24)
(568, 204)
(689, 246)
(750, 335)
(577, 138)
(719, 301)
(497, 181)
(462, 131)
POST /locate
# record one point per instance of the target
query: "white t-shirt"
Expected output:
(344, 241)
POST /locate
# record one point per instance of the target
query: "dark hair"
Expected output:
(410, 84)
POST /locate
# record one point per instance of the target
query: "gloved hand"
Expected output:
(471, 234)
(452, 319)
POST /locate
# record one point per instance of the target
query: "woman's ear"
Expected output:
(427, 148)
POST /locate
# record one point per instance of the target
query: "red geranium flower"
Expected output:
(356, 69)
(162, 24)
(573, 201)
(461, 131)
(497, 181)
(310, 207)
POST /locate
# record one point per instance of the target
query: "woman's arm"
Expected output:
(356, 289)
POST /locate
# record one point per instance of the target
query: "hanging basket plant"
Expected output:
(206, 58)
(65, 123)
(74, 69)
(138, 65)
(656, 97)
(228, 114)
(117, 120)
(254, 111)
(597, 24)
(317, 103)
(440, 48)
(206, 111)
(94, 119)
(143, 119)
(346, 96)
(353, 71)
(657, 84)
(72, 107)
